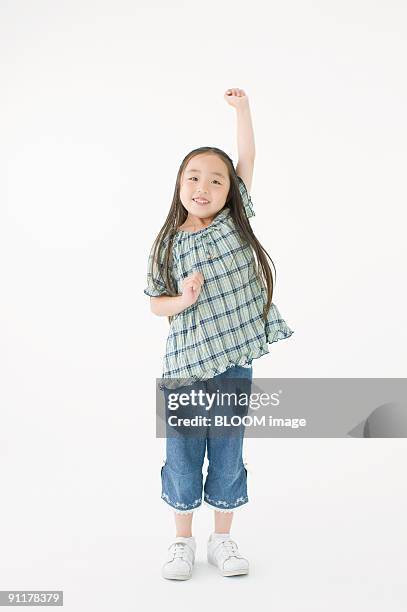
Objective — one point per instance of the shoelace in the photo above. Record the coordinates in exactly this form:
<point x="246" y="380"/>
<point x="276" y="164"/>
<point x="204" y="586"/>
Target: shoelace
<point x="178" y="550"/>
<point x="231" y="547"/>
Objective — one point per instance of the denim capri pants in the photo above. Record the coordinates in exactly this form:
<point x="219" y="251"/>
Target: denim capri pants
<point x="225" y="486"/>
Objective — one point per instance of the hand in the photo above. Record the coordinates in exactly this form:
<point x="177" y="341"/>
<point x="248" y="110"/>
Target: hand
<point x="191" y="288"/>
<point x="236" y="97"/>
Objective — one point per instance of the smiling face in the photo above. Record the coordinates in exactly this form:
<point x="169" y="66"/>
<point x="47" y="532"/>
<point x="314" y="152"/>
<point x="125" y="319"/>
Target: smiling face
<point x="204" y="186"/>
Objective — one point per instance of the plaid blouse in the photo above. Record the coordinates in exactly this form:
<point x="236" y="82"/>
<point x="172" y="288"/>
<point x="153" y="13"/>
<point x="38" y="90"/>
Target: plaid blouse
<point x="225" y="326"/>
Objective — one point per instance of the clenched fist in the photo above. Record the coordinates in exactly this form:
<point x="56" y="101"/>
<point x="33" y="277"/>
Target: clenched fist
<point x="236" y="97"/>
<point x="191" y="288"/>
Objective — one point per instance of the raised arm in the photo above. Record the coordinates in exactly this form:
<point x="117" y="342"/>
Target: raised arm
<point x="245" y="134"/>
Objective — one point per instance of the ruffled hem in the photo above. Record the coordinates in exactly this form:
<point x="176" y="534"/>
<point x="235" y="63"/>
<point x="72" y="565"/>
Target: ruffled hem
<point x="189" y="511"/>
<point x="205" y="503"/>
<point x="272" y="336"/>
<point x="279" y="334"/>
<point x="153" y="292"/>
<point x="174" y="383"/>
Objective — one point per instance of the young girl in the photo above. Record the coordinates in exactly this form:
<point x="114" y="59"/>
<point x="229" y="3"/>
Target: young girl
<point x="202" y="275"/>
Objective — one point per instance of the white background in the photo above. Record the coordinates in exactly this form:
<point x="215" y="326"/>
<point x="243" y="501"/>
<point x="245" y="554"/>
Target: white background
<point x="100" y="102"/>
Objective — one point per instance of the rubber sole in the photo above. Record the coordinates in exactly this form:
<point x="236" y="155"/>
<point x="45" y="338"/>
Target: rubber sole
<point x="230" y="572"/>
<point x="235" y="573"/>
<point x="173" y="577"/>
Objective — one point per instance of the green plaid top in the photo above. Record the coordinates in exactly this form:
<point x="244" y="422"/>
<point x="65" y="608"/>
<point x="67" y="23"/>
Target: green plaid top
<point x="225" y="326"/>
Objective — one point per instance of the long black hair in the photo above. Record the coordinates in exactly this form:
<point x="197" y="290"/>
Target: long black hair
<point x="178" y="214"/>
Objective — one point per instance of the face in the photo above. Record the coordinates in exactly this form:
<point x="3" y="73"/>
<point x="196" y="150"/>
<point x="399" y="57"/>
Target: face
<point x="204" y="185"/>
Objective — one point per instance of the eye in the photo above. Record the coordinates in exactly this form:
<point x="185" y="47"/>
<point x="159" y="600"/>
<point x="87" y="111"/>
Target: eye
<point x="194" y="177"/>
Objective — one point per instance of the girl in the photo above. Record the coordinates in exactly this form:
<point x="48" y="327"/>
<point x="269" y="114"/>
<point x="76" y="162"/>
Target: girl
<point x="202" y="275"/>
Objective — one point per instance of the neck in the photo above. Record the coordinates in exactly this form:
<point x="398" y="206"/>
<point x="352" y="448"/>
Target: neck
<point x="197" y="223"/>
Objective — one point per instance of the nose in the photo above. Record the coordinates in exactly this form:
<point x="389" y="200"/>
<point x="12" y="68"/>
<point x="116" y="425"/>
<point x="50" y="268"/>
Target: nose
<point x="202" y="186"/>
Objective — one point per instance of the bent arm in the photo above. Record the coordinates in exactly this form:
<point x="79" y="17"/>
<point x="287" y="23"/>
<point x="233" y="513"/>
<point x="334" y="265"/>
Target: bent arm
<point x="167" y="306"/>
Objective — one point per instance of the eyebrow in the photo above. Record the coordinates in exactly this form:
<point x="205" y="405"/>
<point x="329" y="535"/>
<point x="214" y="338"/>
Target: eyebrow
<point x="217" y="173"/>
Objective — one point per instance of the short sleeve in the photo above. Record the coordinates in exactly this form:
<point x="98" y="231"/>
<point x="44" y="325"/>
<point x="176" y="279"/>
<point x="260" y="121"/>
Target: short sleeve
<point x="247" y="201"/>
<point x="155" y="281"/>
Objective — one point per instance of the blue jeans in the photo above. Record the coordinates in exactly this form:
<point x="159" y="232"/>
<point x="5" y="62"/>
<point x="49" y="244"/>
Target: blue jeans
<point x="225" y="485"/>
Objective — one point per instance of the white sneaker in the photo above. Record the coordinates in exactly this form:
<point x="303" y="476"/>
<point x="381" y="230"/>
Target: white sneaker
<point x="223" y="552"/>
<point x="181" y="558"/>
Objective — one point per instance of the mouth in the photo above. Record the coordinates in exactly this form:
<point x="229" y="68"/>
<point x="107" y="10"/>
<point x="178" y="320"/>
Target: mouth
<point x="201" y="201"/>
